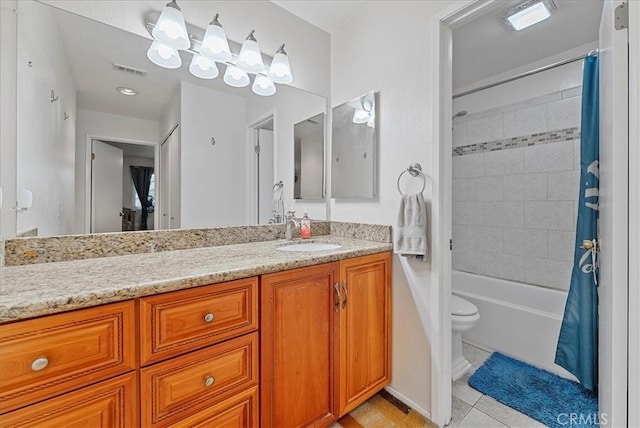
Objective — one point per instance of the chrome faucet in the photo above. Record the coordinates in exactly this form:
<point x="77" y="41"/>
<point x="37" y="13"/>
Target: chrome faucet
<point x="288" y="233"/>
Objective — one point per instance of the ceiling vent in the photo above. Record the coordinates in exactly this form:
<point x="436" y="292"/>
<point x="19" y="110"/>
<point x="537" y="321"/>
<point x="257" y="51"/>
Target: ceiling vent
<point x="129" y="70"/>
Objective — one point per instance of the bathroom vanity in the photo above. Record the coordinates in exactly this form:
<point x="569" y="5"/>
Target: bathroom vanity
<point x="232" y="335"/>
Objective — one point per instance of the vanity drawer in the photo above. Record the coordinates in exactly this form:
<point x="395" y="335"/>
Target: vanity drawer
<point x="51" y="355"/>
<point x="239" y="411"/>
<point x="176" y="323"/>
<point x="109" y="404"/>
<point x="183" y="386"/>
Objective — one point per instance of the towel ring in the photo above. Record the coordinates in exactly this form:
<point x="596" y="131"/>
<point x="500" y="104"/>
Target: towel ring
<point x="415" y="170"/>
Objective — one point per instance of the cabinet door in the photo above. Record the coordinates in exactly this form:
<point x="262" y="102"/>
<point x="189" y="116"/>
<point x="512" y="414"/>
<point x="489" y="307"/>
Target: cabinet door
<point x="365" y="328"/>
<point x="109" y="404"/>
<point x="299" y="314"/>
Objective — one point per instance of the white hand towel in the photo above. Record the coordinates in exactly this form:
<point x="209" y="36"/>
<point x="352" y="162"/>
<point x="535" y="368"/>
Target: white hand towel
<point x="411" y="230"/>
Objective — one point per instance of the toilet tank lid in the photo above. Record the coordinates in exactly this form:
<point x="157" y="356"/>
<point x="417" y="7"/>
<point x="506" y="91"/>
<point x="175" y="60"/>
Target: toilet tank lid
<point x="460" y="306"/>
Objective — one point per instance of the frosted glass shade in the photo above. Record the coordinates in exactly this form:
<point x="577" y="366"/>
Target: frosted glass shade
<point x="360" y="116"/>
<point x="163" y="55"/>
<point x="235" y="77"/>
<point x="215" y="44"/>
<point x="170" y="28"/>
<point x="203" y="67"/>
<point x="263" y="86"/>
<point x="250" y="59"/>
<point x="280" y="71"/>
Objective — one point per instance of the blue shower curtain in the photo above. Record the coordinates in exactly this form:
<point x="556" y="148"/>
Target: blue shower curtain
<point x="577" y="349"/>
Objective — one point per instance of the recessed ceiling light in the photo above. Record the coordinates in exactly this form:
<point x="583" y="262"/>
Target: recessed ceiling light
<point x="529" y="13"/>
<point x="126" y="91"/>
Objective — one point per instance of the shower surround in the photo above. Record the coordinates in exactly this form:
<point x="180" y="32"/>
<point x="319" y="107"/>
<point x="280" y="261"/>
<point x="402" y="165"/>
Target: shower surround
<point x="515" y="189"/>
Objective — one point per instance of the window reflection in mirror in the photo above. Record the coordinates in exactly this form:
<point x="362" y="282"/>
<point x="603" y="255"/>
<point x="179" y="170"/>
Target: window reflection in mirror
<point x="308" y="140"/>
<point x="353" y="150"/>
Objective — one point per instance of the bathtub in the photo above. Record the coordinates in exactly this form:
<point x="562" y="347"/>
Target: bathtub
<point x="516" y="319"/>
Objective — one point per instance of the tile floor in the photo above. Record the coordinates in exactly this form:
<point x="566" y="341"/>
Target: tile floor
<point x="471" y="408"/>
<point x="377" y="412"/>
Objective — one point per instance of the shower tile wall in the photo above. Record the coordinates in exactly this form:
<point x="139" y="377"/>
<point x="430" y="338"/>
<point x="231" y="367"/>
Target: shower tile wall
<point x="515" y="190"/>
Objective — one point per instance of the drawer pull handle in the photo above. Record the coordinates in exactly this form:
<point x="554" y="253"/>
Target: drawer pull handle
<point x="336" y="306"/>
<point x="39" y="363"/>
<point x="209" y="381"/>
<point x="209" y="317"/>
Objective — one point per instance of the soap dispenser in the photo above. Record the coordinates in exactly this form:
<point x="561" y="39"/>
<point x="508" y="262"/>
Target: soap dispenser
<point x="305" y="226"/>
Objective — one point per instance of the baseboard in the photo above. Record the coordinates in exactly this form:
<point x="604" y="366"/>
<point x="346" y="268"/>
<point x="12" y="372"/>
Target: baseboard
<point x="408" y="402"/>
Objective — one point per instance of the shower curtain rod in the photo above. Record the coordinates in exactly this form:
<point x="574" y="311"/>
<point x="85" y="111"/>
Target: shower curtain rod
<point x="525" y="74"/>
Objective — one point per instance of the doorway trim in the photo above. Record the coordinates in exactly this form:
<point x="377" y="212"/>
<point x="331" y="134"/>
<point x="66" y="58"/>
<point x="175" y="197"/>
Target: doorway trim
<point x="87" y="173"/>
<point x="252" y="140"/>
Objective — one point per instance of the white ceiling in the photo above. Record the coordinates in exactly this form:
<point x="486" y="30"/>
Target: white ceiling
<point x="485" y="46"/>
<point x="328" y="15"/>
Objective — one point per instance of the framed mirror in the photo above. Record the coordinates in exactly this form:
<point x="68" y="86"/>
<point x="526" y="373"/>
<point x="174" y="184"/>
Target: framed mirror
<point x="308" y="165"/>
<point x="354" y="149"/>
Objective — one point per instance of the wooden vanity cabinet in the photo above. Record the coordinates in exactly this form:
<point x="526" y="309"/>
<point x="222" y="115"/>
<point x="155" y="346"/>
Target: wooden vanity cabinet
<point x="325" y="340"/>
<point x="365" y="328"/>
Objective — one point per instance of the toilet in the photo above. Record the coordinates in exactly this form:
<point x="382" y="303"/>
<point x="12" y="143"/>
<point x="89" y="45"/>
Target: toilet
<point x="464" y="315"/>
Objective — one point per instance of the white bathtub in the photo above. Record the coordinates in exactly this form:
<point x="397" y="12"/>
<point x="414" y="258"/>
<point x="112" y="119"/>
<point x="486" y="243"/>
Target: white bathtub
<point x="516" y="319"/>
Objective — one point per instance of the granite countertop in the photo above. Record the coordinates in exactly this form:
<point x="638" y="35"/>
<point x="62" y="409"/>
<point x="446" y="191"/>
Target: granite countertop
<point x="46" y="288"/>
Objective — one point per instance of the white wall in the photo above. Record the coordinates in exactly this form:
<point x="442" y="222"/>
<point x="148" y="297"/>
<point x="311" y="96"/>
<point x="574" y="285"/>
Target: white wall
<point x="8" y="58"/>
<point x="311" y="164"/>
<point x="364" y="59"/>
<point x="45" y="141"/>
<point x="290" y="106"/>
<point x="110" y="127"/>
<point x="307" y="46"/>
<point x="213" y="188"/>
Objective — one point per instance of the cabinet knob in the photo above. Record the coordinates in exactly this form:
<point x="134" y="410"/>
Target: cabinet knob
<point x="209" y="381"/>
<point x="39" y="363"/>
<point x="209" y="317"/>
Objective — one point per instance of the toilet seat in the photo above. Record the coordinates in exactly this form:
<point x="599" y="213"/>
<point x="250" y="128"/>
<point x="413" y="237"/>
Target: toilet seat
<point x="461" y="307"/>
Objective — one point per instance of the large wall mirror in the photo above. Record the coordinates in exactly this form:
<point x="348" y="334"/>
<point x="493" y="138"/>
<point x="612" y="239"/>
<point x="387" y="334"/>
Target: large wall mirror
<point x="91" y="106"/>
<point x="308" y="143"/>
<point x="353" y="149"/>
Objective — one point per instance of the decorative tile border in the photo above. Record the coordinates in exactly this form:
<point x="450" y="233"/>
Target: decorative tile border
<point x="556" y="136"/>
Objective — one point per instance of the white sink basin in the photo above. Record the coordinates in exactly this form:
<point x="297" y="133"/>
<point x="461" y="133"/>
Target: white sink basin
<point x="309" y="246"/>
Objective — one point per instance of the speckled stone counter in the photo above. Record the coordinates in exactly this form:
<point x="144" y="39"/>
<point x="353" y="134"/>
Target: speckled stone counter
<point x="46" y="288"/>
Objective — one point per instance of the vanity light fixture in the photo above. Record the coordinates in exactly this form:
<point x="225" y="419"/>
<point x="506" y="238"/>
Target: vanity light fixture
<point x="529" y="13"/>
<point x="126" y="91"/>
<point x="203" y="67"/>
<point x="163" y="55"/>
<point x="250" y="58"/>
<point x="211" y="46"/>
<point x="236" y="77"/>
<point x="263" y="86"/>
<point x="280" y="71"/>
<point x="214" y="42"/>
<point x="171" y="29"/>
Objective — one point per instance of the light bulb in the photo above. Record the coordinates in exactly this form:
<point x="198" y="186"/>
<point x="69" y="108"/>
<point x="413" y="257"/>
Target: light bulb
<point x="250" y="58"/>
<point x="203" y="67"/>
<point x="263" y="86"/>
<point x="360" y="116"/>
<point x="235" y="77"/>
<point x="163" y="55"/>
<point x="171" y="29"/>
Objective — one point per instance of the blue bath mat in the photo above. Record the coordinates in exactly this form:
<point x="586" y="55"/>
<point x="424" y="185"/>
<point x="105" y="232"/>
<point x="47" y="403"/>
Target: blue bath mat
<point x="539" y="394"/>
